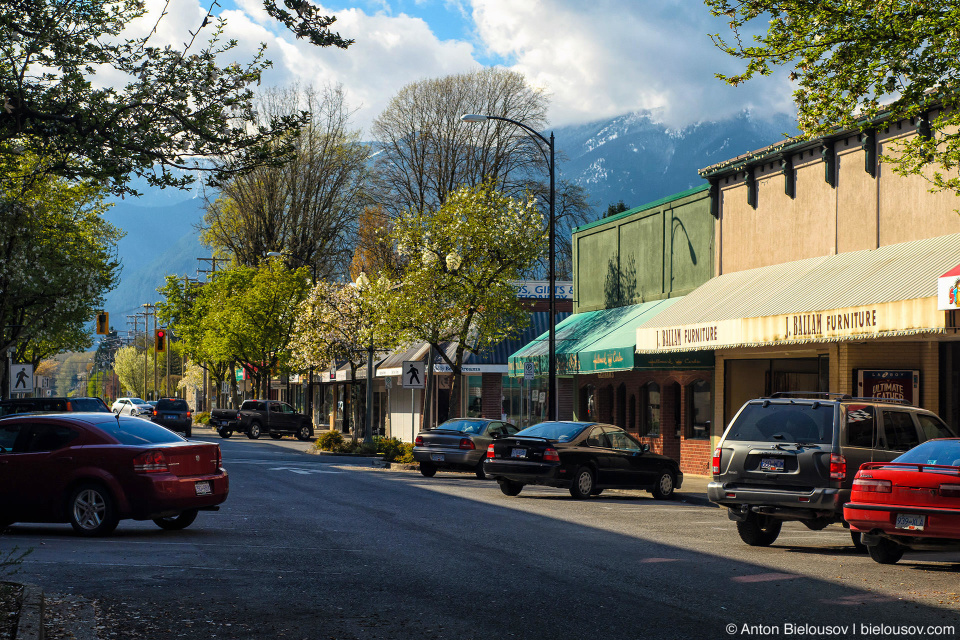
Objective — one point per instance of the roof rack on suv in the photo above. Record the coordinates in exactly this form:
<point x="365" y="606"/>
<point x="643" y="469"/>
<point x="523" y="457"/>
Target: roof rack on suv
<point x="816" y="395"/>
<point x="884" y="400"/>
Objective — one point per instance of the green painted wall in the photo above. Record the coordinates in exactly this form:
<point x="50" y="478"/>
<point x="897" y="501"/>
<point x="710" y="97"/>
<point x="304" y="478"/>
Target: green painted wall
<point x="659" y="250"/>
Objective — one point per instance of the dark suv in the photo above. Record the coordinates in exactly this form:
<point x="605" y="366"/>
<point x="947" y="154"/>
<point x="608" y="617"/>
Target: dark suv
<point x="794" y="456"/>
<point x="59" y="405"/>
<point x="174" y="414"/>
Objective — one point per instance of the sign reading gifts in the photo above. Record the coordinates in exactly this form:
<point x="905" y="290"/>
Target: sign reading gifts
<point x="915" y="315"/>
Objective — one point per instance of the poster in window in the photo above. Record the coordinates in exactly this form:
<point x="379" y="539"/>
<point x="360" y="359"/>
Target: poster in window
<point x="893" y="384"/>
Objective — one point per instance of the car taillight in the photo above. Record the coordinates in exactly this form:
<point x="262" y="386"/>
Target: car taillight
<point x="239" y="417"/>
<point x="219" y="459"/>
<point x="189" y="414"/>
<point x="950" y="490"/>
<point x="838" y="467"/>
<point x="418" y="442"/>
<point x="467" y="443"/>
<point x="715" y="465"/>
<point x="154" y="412"/>
<point x="490" y="453"/>
<point x="551" y="455"/>
<point x="874" y="486"/>
<point x="150" y="462"/>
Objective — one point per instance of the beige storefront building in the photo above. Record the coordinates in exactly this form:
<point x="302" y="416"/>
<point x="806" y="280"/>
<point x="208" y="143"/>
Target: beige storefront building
<point x="827" y="266"/>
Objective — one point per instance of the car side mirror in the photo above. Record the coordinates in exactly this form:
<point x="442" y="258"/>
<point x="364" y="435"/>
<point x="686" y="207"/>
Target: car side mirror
<point x="644" y="448"/>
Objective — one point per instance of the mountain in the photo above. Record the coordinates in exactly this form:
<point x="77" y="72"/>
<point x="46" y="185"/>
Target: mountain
<point x="633" y="158"/>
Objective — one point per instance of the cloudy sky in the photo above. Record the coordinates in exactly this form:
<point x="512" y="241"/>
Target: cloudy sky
<point x="595" y="58"/>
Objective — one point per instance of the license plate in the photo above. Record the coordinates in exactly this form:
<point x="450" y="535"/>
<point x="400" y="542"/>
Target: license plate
<point x="436" y="457"/>
<point x="518" y="453"/>
<point x="203" y="488"/>
<point x="771" y="464"/>
<point x="170" y="417"/>
<point x="910" y="522"/>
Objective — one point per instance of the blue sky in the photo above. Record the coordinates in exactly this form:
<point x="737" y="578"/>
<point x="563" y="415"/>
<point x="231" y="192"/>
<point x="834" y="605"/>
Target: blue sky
<point x="595" y="59"/>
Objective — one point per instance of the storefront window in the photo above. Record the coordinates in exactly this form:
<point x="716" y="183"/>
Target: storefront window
<point x="474" y="386"/>
<point x="698" y="409"/>
<point x="650" y="410"/>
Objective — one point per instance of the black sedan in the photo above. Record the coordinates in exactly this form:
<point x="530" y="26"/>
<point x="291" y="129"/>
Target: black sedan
<point x="585" y="457"/>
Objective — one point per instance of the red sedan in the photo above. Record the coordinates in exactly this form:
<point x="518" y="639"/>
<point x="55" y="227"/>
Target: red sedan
<point x="910" y="503"/>
<point x="94" y="469"/>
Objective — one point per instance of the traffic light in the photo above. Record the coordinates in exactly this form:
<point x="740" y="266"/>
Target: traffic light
<point x="103" y="323"/>
<point x="160" y="340"/>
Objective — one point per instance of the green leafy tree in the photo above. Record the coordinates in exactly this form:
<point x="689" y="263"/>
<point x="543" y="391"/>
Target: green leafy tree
<point x="858" y="61"/>
<point x="462" y="262"/>
<point x="57" y="260"/>
<point x="128" y="365"/>
<point x="178" y="106"/>
<point x="338" y="323"/>
<point x="243" y="315"/>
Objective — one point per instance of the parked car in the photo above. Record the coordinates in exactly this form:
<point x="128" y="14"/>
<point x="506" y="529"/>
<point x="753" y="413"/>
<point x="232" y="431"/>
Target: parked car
<point x="132" y="407"/>
<point x="794" y="457"/>
<point x="224" y="421"/>
<point x="174" y="414"/>
<point x="584" y="457"/>
<point x="458" y="445"/>
<point x="275" y="418"/>
<point x="59" y="405"/>
<point x="93" y="470"/>
<point x="910" y="503"/>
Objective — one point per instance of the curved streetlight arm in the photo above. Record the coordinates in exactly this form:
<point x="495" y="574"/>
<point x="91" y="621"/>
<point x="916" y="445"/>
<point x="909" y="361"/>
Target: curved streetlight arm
<point x="553" y="404"/>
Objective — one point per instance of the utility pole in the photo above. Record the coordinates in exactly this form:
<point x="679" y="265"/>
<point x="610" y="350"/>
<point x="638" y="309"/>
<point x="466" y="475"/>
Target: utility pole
<point x="150" y="313"/>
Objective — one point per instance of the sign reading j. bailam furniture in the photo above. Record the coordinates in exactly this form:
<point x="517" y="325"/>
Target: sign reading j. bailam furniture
<point x="872" y="321"/>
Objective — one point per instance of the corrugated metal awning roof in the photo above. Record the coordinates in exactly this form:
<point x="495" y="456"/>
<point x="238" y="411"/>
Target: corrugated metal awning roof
<point x="905" y="271"/>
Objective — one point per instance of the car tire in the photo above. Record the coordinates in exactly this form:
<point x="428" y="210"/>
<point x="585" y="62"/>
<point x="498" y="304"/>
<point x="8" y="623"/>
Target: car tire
<point x="428" y="470"/>
<point x="254" y="431"/>
<point x="663" y="490"/>
<point x="188" y="432"/>
<point x="886" y="551"/>
<point x="583" y="483"/>
<point x="180" y="521"/>
<point x="481" y="474"/>
<point x="276" y="436"/>
<point x="304" y="434"/>
<point x="509" y="488"/>
<point x="759" y="531"/>
<point x="857" y="538"/>
<point x="92" y="510"/>
<point x="596" y="492"/>
<point x="224" y="432"/>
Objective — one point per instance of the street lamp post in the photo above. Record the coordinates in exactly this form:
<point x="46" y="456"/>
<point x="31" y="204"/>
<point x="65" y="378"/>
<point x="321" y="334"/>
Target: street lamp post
<point x="361" y="283"/>
<point x="552" y="343"/>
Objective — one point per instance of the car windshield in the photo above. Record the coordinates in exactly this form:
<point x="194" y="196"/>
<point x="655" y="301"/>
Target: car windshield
<point x="464" y="426"/>
<point x="172" y="405"/>
<point x="934" y="452"/>
<point x="558" y="431"/>
<point x="136" y="431"/>
<point x="806" y="422"/>
<point x="88" y="404"/>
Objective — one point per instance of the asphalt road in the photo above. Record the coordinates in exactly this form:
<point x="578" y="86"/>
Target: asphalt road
<point x="313" y="548"/>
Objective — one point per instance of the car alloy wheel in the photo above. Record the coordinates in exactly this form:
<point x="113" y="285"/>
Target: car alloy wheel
<point x="304" y="434"/>
<point x="91" y="511"/>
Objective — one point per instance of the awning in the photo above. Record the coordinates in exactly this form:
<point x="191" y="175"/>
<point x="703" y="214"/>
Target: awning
<point x="590" y="342"/>
<point x="890" y="291"/>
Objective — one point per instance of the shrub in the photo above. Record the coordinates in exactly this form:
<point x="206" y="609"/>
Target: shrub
<point x="202" y="417"/>
<point x="330" y="441"/>
<point x="395" y="451"/>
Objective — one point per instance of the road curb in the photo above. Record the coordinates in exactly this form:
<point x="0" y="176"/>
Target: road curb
<point x="30" y="624"/>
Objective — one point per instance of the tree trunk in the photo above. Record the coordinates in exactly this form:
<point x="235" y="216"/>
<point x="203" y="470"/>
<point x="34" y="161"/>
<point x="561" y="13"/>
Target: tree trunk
<point x="428" y="392"/>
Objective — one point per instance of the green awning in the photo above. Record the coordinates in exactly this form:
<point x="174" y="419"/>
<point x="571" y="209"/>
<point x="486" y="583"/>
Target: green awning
<point x="591" y="342"/>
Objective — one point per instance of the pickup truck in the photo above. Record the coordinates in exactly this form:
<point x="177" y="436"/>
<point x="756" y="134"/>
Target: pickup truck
<point x="277" y="419"/>
<point x="224" y="421"/>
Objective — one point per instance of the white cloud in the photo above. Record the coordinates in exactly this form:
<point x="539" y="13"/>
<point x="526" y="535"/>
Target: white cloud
<point x="596" y="60"/>
<point x="617" y="56"/>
